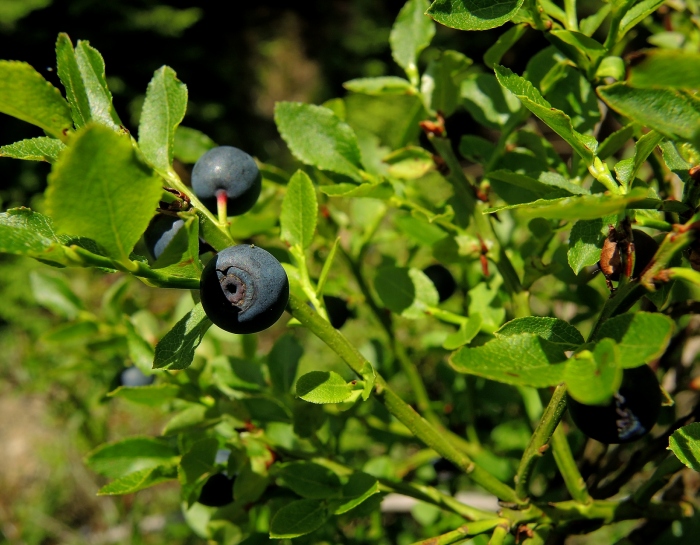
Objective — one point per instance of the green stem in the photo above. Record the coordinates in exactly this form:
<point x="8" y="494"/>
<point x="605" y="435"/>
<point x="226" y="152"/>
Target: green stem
<point x="534" y="8"/>
<point x="83" y="258"/>
<point x="571" y="19"/>
<point x="567" y="467"/>
<point x="539" y="440"/>
<point x="499" y="535"/>
<point x="433" y="495"/>
<point x="455" y="536"/>
<point x="394" y="404"/>
<point x="306" y="285"/>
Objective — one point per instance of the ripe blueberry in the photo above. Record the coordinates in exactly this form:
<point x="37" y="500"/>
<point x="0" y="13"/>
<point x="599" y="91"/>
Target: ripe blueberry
<point x="231" y="170"/>
<point x="160" y="233"/>
<point x="338" y="311"/>
<point x="244" y="289"/>
<point x="217" y="491"/>
<point x="133" y="376"/>
<point x="443" y="280"/>
<point x="629" y="415"/>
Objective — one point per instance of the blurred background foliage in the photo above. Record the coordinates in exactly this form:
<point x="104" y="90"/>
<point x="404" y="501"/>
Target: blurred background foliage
<point x="53" y="393"/>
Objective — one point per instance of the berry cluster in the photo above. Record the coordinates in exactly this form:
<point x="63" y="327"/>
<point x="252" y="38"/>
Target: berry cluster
<point x="243" y="288"/>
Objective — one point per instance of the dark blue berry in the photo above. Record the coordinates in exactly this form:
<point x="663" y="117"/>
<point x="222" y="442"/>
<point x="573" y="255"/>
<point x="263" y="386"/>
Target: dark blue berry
<point x="442" y="278"/>
<point x="229" y="169"/>
<point x="217" y="491"/>
<point x="629" y="415"/>
<point x="161" y="232"/>
<point x="133" y="376"/>
<point x="244" y="289"/>
<point x="338" y="310"/>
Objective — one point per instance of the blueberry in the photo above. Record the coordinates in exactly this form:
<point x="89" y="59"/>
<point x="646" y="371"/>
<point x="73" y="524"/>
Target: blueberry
<point x="161" y="232"/>
<point x="244" y="289"/>
<point x="338" y="311"/>
<point x="443" y="280"/>
<point x="629" y="415"/>
<point x="133" y="376"/>
<point x="229" y="169"/>
<point x="217" y="491"/>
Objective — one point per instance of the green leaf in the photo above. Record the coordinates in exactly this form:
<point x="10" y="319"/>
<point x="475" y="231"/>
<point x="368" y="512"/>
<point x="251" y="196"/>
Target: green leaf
<point x="233" y="374"/>
<point x="299" y="211"/>
<point x="384" y="85"/>
<point x="309" y="480"/>
<point x="616" y="141"/>
<point x="673" y="113"/>
<point x="590" y="24"/>
<point x="191" y="144"/>
<point x="408" y="292"/>
<point x="120" y="458"/>
<point x="640" y="336"/>
<point x="685" y="444"/>
<point x="505" y="41"/>
<point x="26" y="95"/>
<point x="474" y="14"/>
<point x="488" y="103"/>
<point x="440" y="84"/>
<point x="249" y="485"/>
<point x="373" y="191"/>
<point x="557" y="120"/>
<point x="176" y="349"/>
<point x="586" y="241"/>
<point x="163" y="110"/>
<point x="593" y="377"/>
<point x="581" y="207"/>
<point x="636" y="14"/>
<point x="42" y="148"/>
<point x="323" y="387"/>
<point x="25" y="232"/>
<point x="54" y="293"/>
<point x="298" y="518"/>
<point x="545" y="183"/>
<point x="82" y="73"/>
<point x="283" y="362"/>
<point x="317" y="137"/>
<point x="195" y="466"/>
<point x="360" y="487"/>
<point x="151" y="395"/>
<point x="139" y="480"/>
<point x="409" y="163"/>
<point x="412" y="33"/>
<point x="194" y="417"/>
<point x="524" y="360"/>
<point x="669" y="68"/>
<point x="551" y="329"/>
<point x="369" y="377"/>
<point x="181" y="256"/>
<point x="627" y="169"/>
<point x="581" y="49"/>
<point x="99" y="188"/>
<point x="468" y="329"/>
<point x="140" y="350"/>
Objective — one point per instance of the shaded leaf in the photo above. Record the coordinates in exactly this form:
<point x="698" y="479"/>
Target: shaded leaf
<point x="298" y="518"/>
<point x="309" y="480"/>
<point x="176" y="349"/>
<point x="385" y="85"/>
<point x="152" y="395"/>
<point x="586" y="241"/>
<point x="283" y="362"/>
<point x="190" y="144"/>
